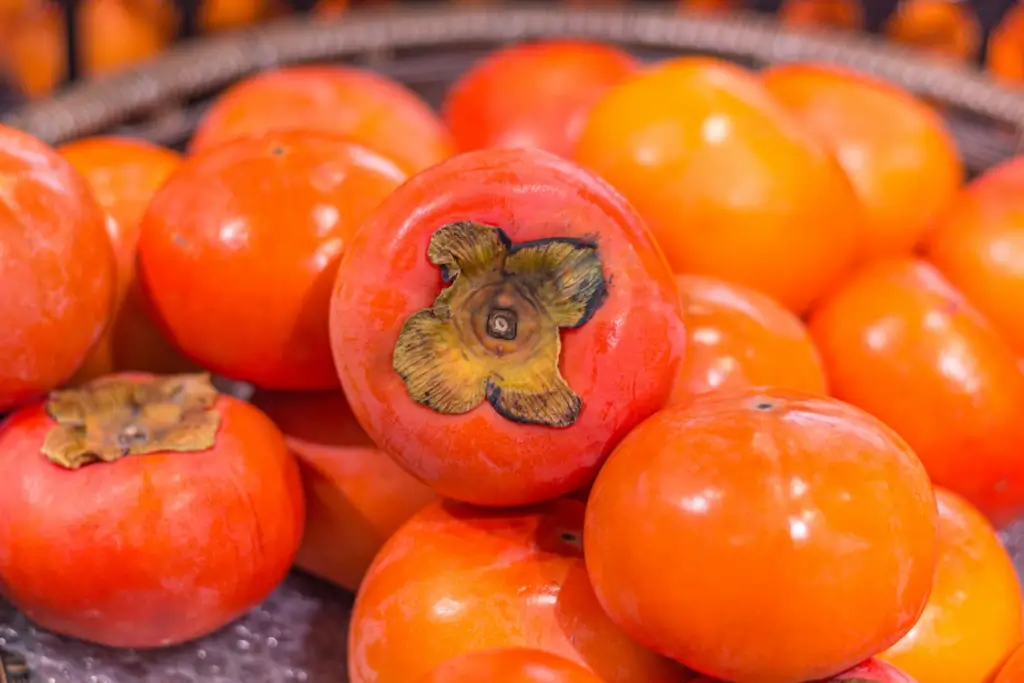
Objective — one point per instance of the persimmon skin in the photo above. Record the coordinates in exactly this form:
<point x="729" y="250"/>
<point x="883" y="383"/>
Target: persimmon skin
<point x="514" y="665"/>
<point x="973" y="619"/>
<point x="731" y="184"/>
<point x="903" y="344"/>
<point x="462" y="561"/>
<point x="741" y="338"/>
<point x="978" y="244"/>
<point x="356" y="496"/>
<point x="896" y="149"/>
<point x="871" y="670"/>
<point x="769" y="488"/>
<point x="367" y="107"/>
<point x="150" y="550"/>
<point x="621" y="362"/>
<point x="232" y="289"/>
<point x="533" y="94"/>
<point x="56" y="265"/>
<point x="1013" y="669"/>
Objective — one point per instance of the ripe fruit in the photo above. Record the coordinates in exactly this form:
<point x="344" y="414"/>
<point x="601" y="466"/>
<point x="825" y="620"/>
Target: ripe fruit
<point x="1006" y="47"/>
<point x="814" y="524"/>
<point x="1013" y="670"/>
<point x="740" y="338"/>
<point x="56" y="269"/>
<point x="239" y="249"/>
<point x="978" y="244"/>
<point x="897" y="150"/>
<point x="362" y="105"/>
<point x="731" y="184"/>
<point x="123" y="175"/>
<point x="445" y="326"/>
<point x="110" y="535"/>
<point x="845" y="14"/>
<point x="973" y="618"/>
<point x="533" y="95"/>
<point x="942" y="28"/>
<point x="900" y="342"/>
<point x="516" y="665"/>
<point x="458" y="579"/>
<point x="871" y="671"/>
<point x="356" y="496"/>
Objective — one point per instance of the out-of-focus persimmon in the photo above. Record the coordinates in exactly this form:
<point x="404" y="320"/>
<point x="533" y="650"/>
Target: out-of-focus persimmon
<point x="1006" y="46"/>
<point x="356" y="496"/>
<point x="710" y="5"/>
<point x="899" y="341"/>
<point x="945" y="28"/>
<point x="973" y="619"/>
<point x="1013" y="670"/>
<point x="846" y="14"/>
<point x="897" y="150"/>
<point x="739" y="338"/>
<point x="220" y="15"/>
<point x="730" y="183"/>
<point x="978" y="244"/>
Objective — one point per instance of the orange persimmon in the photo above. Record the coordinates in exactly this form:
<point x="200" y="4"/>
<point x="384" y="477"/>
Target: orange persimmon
<point x="512" y="665"/>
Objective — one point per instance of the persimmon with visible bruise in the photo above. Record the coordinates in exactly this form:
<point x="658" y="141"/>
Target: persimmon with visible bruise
<point x="239" y="249"/>
<point x="973" y="619"/>
<point x="897" y="150"/>
<point x="124" y="174"/>
<point x="142" y="511"/>
<point x="500" y="322"/>
<point x="57" y="269"/>
<point x="356" y="496"/>
<point x="1013" y="670"/>
<point x="457" y="579"/>
<point x="533" y="95"/>
<point x="978" y="245"/>
<point x="902" y="343"/>
<point x="513" y="665"/>
<point x="798" y="578"/>
<point x="732" y="185"/>
<point x="740" y="338"/>
<point x="367" y="107"/>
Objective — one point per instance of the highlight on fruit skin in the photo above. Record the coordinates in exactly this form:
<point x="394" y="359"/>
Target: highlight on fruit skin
<point x="512" y="665"/>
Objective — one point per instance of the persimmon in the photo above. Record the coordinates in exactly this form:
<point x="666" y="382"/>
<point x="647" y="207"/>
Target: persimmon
<point x="500" y="322"/>
<point x="896" y="149"/>
<point x="973" y="619"/>
<point x="533" y="94"/>
<point x="457" y="579"/>
<point x="1005" y="53"/>
<point x="513" y="665"/>
<point x="739" y="338"/>
<point x="143" y="511"/>
<point x="902" y="343"/>
<point x="238" y="251"/>
<point x="731" y="184"/>
<point x="124" y="174"/>
<point x="356" y="496"/>
<point x="944" y="28"/>
<point x="845" y="14"/>
<point x="813" y="521"/>
<point x="710" y="5"/>
<point x="978" y="245"/>
<point x="56" y="268"/>
<point x="1013" y="670"/>
<point x="367" y="107"/>
<point x="871" y="671"/>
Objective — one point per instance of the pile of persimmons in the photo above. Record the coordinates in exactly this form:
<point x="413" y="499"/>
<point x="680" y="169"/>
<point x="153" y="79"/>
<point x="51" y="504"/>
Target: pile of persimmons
<point x="608" y="372"/>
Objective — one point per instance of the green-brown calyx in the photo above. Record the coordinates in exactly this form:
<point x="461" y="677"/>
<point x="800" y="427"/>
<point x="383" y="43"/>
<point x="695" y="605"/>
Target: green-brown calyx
<point x="109" y="419"/>
<point x="493" y="332"/>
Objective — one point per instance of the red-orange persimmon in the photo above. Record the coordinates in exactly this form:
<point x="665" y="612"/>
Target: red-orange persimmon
<point x="501" y="322"/>
<point x="871" y="671"/>
<point x="512" y="665"/>
<point x="140" y="511"/>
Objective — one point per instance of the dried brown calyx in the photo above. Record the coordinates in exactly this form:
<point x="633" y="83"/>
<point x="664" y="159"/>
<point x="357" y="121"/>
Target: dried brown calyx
<point x="109" y="419"/>
<point x="493" y="332"/>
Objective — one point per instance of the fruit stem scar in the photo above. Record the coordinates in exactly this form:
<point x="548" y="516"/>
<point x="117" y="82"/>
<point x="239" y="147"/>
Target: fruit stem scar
<point x="492" y="333"/>
<point x="109" y="419"/>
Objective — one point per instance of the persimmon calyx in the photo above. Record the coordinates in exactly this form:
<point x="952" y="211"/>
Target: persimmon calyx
<point x="107" y="420"/>
<point x="493" y="331"/>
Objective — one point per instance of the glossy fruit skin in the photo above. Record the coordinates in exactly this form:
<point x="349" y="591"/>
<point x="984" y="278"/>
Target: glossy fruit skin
<point x="621" y="362"/>
<point x="900" y="342"/>
<point x="730" y="183"/>
<point x="799" y="577"/>
<point x="1013" y="669"/>
<point x="973" y="619"/>
<point x="740" y="338"/>
<point x="431" y="595"/>
<point x="233" y="290"/>
<point x="372" y="110"/>
<point x="177" y="545"/>
<point x="356" y="496"/>
<point x="56" y="266"/>
<point x="514" y="665"/>
<point x="978" y="244"/>
<point x="871" y="670"/>
<point x="897" y="150"/>
<point x="123" y="175"/>
<point x="533" y="94"/>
